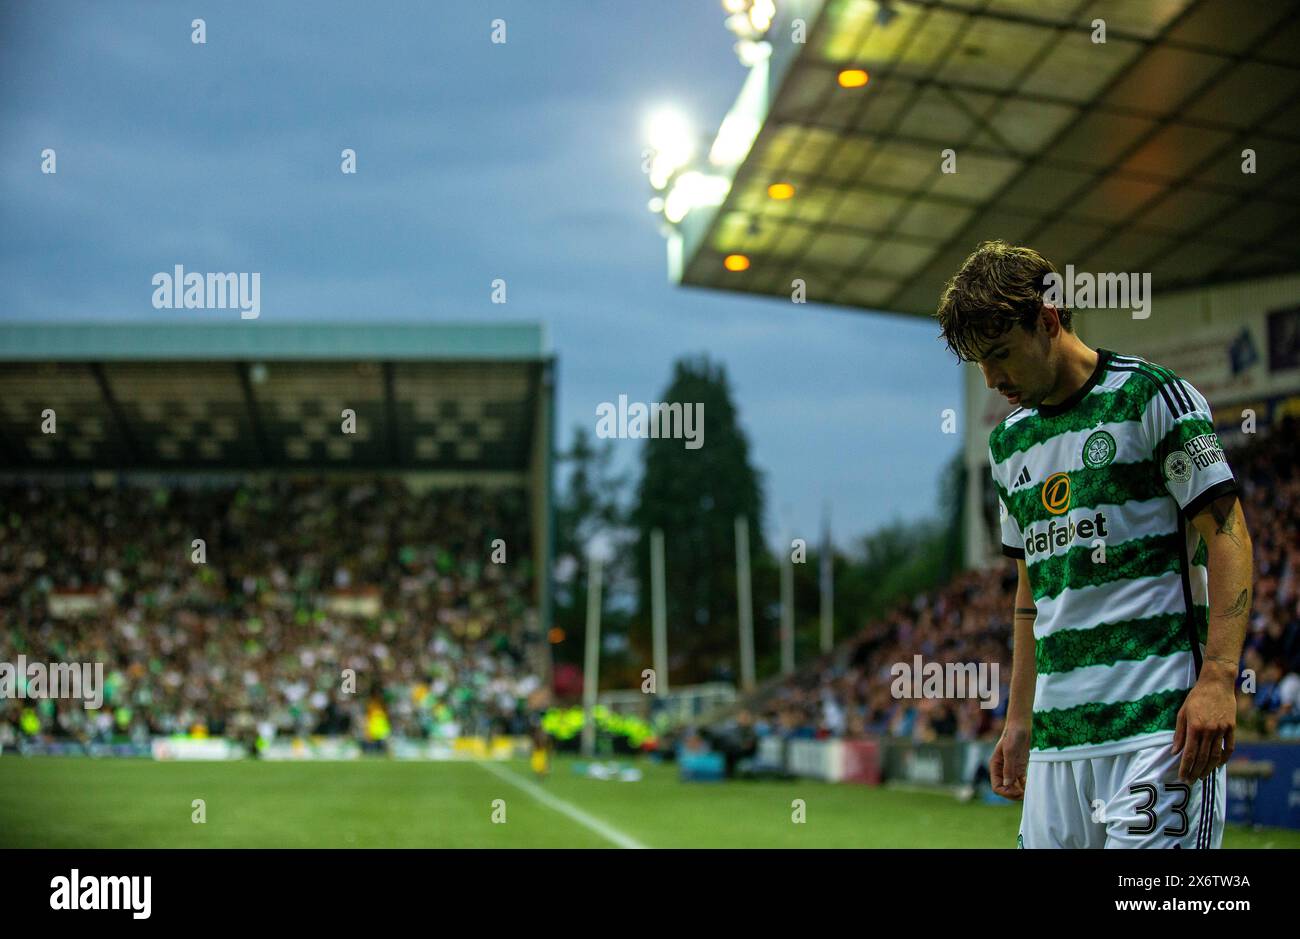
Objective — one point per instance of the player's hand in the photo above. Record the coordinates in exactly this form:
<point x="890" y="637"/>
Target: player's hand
<point x="1010" y="761"/>
<point x="1205" y="732"/>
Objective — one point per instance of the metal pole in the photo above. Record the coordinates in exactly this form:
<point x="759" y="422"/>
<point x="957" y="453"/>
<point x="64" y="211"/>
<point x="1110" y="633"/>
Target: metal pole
<point x="658" y="611"/>
<point x="591" y="665"/>
<point x="787" y="611"/>
<point x="828" y="587"/>
<point x="744" y="600"/>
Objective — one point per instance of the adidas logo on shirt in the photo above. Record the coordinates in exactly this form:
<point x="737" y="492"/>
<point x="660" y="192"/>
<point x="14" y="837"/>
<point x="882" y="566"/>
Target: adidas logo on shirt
<point x="1022" y="479"/>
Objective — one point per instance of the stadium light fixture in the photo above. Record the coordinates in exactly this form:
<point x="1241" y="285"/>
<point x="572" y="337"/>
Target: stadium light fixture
<point x="761" y="14"/>
<point x="853" y="78"/>
<point x="749" y="19"/>
<point x="686" y="183"/>
<point x="735" y="137"/>
<point x="739" y="24"/>
<point x="751" y="52"/>
<point x="692" y="190"/>
<point x="672" y="138"/>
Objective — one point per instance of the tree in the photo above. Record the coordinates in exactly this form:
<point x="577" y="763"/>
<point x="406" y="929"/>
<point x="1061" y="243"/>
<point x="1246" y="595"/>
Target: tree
<point x="903" y="559"/>
<point x="694" y="496"/>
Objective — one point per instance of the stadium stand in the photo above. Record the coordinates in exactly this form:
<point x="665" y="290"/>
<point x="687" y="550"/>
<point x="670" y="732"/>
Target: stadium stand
<point x="305" y="577"/>
<point x="412" y="550"/>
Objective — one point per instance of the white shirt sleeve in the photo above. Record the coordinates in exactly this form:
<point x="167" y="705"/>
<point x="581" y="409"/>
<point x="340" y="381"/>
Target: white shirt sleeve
<point x="1185" y="448"/>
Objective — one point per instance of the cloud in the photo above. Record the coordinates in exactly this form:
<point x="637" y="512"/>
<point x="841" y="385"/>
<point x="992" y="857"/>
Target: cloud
<point x="475" y="161"/>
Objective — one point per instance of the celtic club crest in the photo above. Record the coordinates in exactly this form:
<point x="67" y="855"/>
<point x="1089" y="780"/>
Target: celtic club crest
<point x="1098" y="450"/>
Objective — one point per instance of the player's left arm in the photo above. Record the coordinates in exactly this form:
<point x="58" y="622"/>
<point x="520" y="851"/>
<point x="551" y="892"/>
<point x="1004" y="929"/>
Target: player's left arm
<point x="1207" y="721"/>
<point x="1195" y="471"/>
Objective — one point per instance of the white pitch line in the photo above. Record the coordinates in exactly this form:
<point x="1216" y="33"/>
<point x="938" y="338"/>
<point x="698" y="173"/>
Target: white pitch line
<point x="608" y="832"/>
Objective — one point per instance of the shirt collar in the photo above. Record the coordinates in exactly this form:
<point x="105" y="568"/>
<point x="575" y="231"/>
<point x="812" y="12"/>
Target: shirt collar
<point x="1051" y="410"/>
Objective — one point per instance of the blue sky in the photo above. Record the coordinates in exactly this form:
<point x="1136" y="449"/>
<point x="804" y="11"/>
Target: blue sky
<point x="475" y="161"/>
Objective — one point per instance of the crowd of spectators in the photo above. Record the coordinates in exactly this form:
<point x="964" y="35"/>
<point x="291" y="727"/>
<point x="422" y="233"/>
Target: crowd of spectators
<point x="1268" y="695"/>
<point x="255" y="632"/>
<point x="313" y="605"/>
<point x="968" y="620"/>
<point x="851" y="693"/>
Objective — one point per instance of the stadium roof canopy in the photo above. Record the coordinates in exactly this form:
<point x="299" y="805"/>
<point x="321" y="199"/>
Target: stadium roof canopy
<point x="1119" y="156"/>
<point x="256" y="395"/>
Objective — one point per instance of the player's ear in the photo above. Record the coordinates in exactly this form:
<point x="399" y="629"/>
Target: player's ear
<point x="1050" y="319"/>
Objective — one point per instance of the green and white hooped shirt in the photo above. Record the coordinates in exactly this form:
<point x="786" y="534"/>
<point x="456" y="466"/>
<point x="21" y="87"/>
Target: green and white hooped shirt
<point x="1097" y="494"/>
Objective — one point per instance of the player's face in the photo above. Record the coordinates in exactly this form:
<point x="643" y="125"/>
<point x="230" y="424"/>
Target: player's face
<point x="1019" y="366"/>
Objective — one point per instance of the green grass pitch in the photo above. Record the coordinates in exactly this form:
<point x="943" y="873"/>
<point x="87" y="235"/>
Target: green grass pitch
<point x="88" y="803"/>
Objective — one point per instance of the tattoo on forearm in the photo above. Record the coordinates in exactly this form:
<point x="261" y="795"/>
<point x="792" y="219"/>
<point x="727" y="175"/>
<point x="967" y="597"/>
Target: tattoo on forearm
<point x="1027" y="611"/>
<point x="1225" y="517"/>
<point x="1239" y="606"/>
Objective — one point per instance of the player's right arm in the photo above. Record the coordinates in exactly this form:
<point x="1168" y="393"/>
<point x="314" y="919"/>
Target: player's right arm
<point x="1011" y="755"/>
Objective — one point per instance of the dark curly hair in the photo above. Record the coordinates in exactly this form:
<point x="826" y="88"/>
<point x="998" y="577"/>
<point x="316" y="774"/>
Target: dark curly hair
<point x="997" y="288"/>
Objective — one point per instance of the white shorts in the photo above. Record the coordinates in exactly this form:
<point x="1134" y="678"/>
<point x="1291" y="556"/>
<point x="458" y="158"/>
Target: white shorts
<point x="1128" y="800"/>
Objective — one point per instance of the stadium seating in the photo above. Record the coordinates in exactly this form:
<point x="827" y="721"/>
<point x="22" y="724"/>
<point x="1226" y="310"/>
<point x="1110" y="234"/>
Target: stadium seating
<point x="251" y="633"/>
